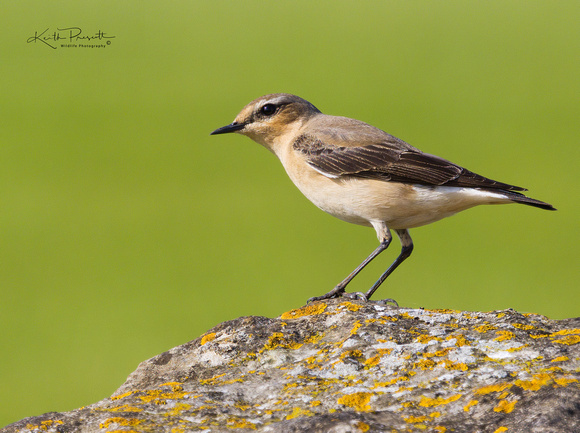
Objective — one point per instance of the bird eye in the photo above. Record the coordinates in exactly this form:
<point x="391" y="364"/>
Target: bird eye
<point x="268" y="109"/>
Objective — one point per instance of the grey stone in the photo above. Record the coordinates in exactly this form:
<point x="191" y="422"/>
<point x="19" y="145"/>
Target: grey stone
<point x="346" y="366"/>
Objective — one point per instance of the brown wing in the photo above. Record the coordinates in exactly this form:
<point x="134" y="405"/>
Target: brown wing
<point x="390" y="160"/>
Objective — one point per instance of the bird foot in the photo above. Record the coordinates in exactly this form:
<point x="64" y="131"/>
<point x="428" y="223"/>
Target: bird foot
<point x="338" y="292"/>
<point x="386" y="302"/>
<point x="359" y="296"/>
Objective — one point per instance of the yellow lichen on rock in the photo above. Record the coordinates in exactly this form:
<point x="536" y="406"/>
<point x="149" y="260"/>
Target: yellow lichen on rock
<point x="298" y="412"/>
<point x="415" y="419"/>
<point x="207" y="338"/>
<point x="438" y="401"/>
<point x="523" y="327"/>
<point x="492" y="388"/>
<point x="277" y="340"/>
<point x="359" y="401"/>
<point x="537" y="381"/>
<point x="505" y="406"/>
<point x="504" y="335"/>
<point x="560" y="359"/>
<point x="569" y="340"/>
<point x="126" y="394"/>
<point x="235" y="423"/>
<point x="470" y="405"/>
<point x="179" y="407"/>
<point x="308" y="310"/>
<point x="125" y="408"/>
<point x="425" y="338"/>
<point x="350" y="306"/>
<point x="372" y="361"/>
<point x="484" y="328"/>
<point x="120" y="421"/>
<point x="362" y="426"/>
<point x="460" y="340"/>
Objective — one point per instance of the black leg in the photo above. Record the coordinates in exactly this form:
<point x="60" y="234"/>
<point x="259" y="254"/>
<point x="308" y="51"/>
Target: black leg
<point x="340" y="287"/>
<point x="406" y="249"/>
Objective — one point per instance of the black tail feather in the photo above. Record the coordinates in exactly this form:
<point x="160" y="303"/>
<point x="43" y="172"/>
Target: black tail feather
<point x="520" y="198"/>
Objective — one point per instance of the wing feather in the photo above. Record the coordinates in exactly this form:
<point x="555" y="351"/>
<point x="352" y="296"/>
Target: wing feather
<point x="389" y="159"/>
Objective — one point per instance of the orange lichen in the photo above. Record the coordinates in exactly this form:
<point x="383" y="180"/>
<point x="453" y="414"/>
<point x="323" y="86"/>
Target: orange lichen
<point x="569" y="340"/>
<point x="390" y="382"/>
<point x="537" y="381"/>
<point x="355" y="328"/>
<point x="356" y="354"/>
<point x="535" y="336"/>
<point x="460" y="340"/>
<point x="470" y="405"/>
<point x="500" y="429"/>
<point x="207" y="338"/>
<point x="505" y="406"/>
<point x="450" y="365"/>
<point x="560" y="359"/>
<point x="416" y="419"/>
<point x="350" y="306"/>
<point x="211" y="380"/>
<point x="432" y="402"/>
<point x="157" y="396"/>
<point x="120" y="421"/>
<point x="566" y="332"/>
<point x="179" y="407"/>
<point x="439" y="353"/>
<point x="517" y="349"/>
<point x="298" y="412"/>
<point x="125" y="408"/>
<point x="424" y="364"/>
<point x="240" y="423"/>
<point x="504" y="335"/>
<point x="522" y="326"/>
<point x="359" y="401"/>
<point x="175" y="386"/>
<point x="118" y="397"/>
<point x="484" y="328"/>
<point x="277" y="340"/>
<point x="492" y="388"/>
<point x="444" y="311"/>
<point x="425" y="338"/>
<point x="362" y="426"/>
<point x="308" y="310"/>
<point x="563" y="381"/>
<point x="44" y="425"/>
<point x="371" y="362"/>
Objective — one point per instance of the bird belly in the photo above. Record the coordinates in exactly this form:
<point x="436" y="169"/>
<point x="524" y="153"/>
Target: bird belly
<point x="366" y="201"/>
<point x="398" y="205"/>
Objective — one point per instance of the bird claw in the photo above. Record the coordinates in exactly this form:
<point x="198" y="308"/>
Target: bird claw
<point x="359" y="296"/>
<point x="386" y="302"/>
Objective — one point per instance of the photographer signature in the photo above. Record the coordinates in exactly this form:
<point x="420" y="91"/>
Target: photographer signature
<point x="69" y="34"/>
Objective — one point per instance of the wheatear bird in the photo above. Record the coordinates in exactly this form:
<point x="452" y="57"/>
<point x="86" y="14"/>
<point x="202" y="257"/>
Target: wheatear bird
<point x="363" y="175"/>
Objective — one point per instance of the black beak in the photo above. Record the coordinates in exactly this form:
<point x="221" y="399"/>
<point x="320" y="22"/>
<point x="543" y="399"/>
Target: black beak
<point x="232" y="127"/>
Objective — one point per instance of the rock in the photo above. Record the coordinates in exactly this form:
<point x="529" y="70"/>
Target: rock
<point x="346" y="366"/>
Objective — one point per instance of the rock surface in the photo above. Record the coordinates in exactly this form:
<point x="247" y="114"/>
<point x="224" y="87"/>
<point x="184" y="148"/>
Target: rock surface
<point x="345" y="366"/>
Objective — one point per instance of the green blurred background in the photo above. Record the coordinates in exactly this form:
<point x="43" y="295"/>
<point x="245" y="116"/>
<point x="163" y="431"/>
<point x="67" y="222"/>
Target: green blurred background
<point x="125" y="229"/>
